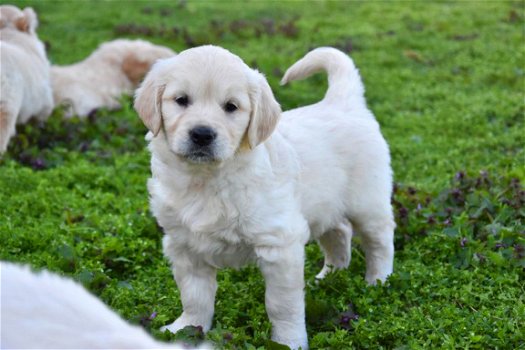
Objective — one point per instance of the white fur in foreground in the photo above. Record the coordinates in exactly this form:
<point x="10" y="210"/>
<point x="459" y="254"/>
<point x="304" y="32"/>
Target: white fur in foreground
<point x="235" y="181"/>
<point x="45" y="311"/>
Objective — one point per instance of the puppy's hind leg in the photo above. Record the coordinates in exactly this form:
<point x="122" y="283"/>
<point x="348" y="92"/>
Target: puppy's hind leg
<point x="7" y="126"/>
<point x="377" y="238"/>
<point x="336" y="246"/>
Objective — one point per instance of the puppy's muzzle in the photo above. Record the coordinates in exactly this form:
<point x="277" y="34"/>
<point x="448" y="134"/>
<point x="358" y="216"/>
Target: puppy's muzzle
<point x="201" y="144"/>
<point x="202" y="136"/>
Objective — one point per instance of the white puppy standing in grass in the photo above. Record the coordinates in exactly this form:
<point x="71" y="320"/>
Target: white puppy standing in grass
<point x="114" y="68"/>
<point x="234" y="181"/>
<point x="25" y="86"/>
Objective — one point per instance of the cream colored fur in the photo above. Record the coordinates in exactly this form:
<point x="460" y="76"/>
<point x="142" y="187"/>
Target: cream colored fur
<point x="99" y="81"/>
<point x="25" y="88"/>
<point x="267" y="183"/>
<point x="45" y="311"/>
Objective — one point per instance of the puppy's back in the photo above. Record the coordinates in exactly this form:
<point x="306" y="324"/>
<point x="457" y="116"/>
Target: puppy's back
<point x="26" y="88"/>
<point x="99" y="80"/>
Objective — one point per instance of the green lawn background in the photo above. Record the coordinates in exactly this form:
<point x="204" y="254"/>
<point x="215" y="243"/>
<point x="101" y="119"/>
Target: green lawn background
<point x="444" y="79"/>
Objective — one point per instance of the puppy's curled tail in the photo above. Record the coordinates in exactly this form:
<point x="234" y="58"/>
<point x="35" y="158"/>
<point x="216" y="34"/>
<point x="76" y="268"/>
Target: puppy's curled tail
<point x="344" y="82"/>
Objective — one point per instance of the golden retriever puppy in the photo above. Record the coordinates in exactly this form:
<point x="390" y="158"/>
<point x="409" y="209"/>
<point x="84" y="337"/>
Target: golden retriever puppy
<point x="115" y="68"/>
<point x="234" y="180"/>
<point x="46" y="311"/>
<point x="25" y="87"/>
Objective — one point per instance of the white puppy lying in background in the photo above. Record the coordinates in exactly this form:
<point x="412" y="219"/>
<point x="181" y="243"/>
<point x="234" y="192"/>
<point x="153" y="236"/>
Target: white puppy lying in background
<point x="25" y="87"/>
<point x="115" y="68"/>
<point x="46" y="311"/>
<point x="232" y="184"/>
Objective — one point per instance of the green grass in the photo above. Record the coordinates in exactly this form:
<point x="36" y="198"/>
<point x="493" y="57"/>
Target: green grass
<point x="446" y="81"/>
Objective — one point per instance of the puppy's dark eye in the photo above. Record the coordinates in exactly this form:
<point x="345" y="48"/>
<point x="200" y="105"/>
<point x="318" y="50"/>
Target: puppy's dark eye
<point x="230" y="107"/>
<point x="182" y="101"/>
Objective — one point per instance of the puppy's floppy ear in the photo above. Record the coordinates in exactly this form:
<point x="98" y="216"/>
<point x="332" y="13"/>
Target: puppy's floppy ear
<point x="265" y="110"/>
<point x="28" y="22"/>
<point x="148" y="100"/>
<point x="134" y="68"/>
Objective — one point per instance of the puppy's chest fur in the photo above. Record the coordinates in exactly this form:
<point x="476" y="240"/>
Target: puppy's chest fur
<point x="222" y="220"/>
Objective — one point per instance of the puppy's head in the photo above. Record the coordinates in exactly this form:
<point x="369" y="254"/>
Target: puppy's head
<point x="207" y="104"/>
<point x="12" y="17"/>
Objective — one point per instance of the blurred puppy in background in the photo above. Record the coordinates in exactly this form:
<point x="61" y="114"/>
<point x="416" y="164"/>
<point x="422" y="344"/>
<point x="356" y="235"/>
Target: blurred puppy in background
<point x="45" y="311"/>
<point x="24" y="72"/>
<point x="115" y="68"/>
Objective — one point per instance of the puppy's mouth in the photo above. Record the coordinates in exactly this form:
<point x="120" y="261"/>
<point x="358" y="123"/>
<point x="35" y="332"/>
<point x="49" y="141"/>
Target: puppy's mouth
<point x="200" y="156"/>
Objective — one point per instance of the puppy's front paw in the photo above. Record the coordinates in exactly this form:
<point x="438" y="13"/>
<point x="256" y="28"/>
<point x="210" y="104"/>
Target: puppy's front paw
<point x="175" y="326"/>
<point x="295" y="339"/>
<point x="184" y="321"/>
<point x="293" y="345"/>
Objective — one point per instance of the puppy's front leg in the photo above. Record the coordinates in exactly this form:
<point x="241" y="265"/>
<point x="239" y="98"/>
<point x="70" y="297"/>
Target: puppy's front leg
<point x="283" y="270"/>
<point x="197" y="284"/>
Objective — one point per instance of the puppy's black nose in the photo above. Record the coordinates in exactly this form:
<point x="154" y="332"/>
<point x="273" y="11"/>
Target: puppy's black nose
<point x="202" y="135"/>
